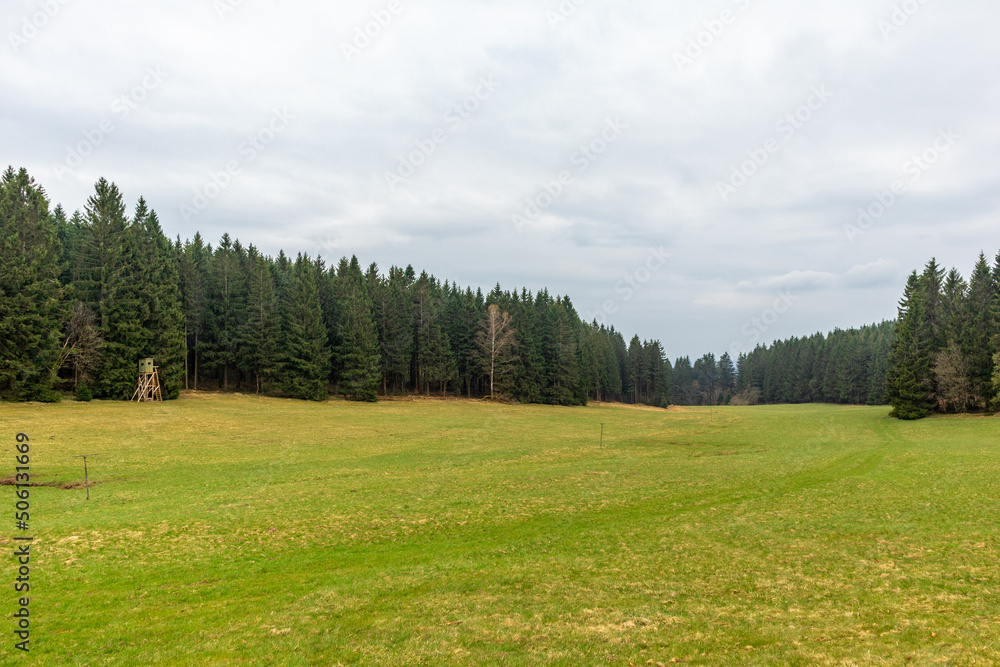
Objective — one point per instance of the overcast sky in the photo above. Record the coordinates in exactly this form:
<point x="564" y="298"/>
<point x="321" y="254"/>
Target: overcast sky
<point x="691" y="172"/>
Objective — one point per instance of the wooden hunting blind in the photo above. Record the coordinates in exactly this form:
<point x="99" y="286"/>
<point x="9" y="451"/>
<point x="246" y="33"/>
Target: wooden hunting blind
<point x="149" y="383"/>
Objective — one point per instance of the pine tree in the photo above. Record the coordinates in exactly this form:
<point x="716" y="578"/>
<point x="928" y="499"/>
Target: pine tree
<point x="359" y="353"/>
<point x="433" y="360"/>
<point x="106" y="266"/>
<point x="439" y="366"/>
<point x="259" y="354"/>
<point x="683" y="382"/>
<point x="159" y="285"/>
<point x="98" y="256"/>
<point x="727" y="377"/>
<point x="974" y="338"/>
<point x="909" y="386"/>
<point x="528" y="369"/>
<point x="463" y="312"/>
<point x="226" y="311"/>
<point x="306" y="356"/>
<point x="635" y="363"/>
<point x="194" y="271"/>
<point x="558" y="351"/>
<point x="933" y="325"/>
<point x="31" y="300"/>
<point x="392" y="313"/>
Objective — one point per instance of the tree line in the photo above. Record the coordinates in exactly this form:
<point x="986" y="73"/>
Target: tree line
<point x="946" y="355"/>
<point x="83" y="297"/>
<point x="846" y="367"/>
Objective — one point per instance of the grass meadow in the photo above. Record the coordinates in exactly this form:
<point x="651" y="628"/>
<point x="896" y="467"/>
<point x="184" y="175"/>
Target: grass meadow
<point x="237" y="530"/>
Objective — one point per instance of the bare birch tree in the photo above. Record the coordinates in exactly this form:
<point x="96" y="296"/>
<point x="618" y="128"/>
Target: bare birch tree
<point x="496" y="342"/>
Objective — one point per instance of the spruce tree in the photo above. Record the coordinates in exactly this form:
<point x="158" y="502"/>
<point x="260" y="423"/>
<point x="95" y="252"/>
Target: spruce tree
<point x="393" y="311"/>
<point x="974" y="338"/>
<point x="359" y="352"/>
<point x="31" y="304"/>
<point x="909" y="388"/>
<point x="194" y="270"/>
<point x="933" y="325"/>
<point x="635" y="363"/>
<point x="305" y="363"/>
<point x="727" y="376"/>
<point x="159" y="285"/>
<point x="107" y="283"/>
<point x="259" y="354"/>
<point x="225" y="312"/>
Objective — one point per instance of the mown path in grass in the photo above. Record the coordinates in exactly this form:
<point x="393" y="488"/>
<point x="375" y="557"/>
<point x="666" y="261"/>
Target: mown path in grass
<point x="240" y="530"/>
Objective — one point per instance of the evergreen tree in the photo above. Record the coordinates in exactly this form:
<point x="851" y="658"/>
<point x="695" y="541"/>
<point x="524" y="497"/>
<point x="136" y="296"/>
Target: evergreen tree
<point x="306" y="356"/>
<point x="909" y="386"/>
<point x="194" y="270"/>
<point x="31" y="304"/>
<point x="226" y="311"/>
<point x="158" y="282"/>
<point x="359" y="354"/>
<point x="635" y="370"/>
<point x="393" y="311"/>
<point x="727" y="377"/>
<point x="974" y="338"/>
<point x="107" y="282"/>
<point x="259" y="354"/>
<point x="933" y="326"/>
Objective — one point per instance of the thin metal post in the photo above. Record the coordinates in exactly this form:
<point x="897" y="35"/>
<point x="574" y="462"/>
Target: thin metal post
<point x="86" y="478"/>
<point x="602" y="434"/>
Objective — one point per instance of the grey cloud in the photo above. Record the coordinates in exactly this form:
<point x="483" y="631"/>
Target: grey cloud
<point x="320" y="186"/>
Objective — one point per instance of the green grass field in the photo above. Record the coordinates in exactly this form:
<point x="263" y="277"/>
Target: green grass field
<point x="239" y="530"/>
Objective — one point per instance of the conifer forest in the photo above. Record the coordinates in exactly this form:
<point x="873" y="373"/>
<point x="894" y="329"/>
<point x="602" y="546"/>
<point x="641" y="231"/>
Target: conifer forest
<point x="84" y="296"/>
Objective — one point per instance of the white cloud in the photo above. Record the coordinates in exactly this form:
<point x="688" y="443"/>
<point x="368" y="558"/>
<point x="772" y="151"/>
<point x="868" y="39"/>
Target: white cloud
<point x="320" y="184"/>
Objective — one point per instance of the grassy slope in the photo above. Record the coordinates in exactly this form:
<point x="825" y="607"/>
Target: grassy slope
<point x="237" y="530"/>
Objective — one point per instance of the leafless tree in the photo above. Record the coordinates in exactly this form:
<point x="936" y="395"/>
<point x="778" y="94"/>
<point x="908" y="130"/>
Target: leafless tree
<point x="83" y="345"/>
<point x="496" y="343"/>
<point x="952" y="374"/>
